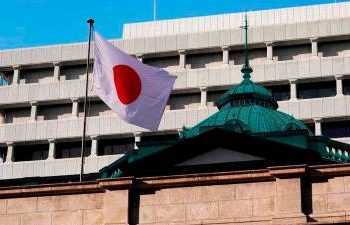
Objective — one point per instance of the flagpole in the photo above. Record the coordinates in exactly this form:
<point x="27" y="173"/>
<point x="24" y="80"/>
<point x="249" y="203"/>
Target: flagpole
<point x="91" y="25"/>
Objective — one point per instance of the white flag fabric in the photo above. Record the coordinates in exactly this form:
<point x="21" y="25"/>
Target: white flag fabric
<point x="138" y="93"/>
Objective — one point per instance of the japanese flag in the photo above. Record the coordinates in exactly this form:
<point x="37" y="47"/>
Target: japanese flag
<point x="138" y="93"/>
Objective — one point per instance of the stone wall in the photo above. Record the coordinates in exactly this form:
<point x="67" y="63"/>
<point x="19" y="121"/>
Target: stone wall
<point x="279" y="195"/>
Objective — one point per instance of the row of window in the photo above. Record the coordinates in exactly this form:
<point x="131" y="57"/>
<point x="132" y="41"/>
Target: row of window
<point x="177" y="101"/>
<point x="194" y="61"/>
<point x="64" y="150"/>
<point x="331" y="129"/>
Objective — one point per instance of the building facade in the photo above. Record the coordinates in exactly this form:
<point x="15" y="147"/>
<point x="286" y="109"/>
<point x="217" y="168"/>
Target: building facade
<point x="302" y="55"/>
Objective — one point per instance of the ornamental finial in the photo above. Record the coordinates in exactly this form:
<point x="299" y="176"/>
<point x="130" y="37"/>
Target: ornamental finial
<point x="246" y="70"/>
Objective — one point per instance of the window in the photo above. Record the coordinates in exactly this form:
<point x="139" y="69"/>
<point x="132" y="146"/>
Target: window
<point x="4" y="80"/>
<point x="336" y="129"/>
<point x="115" y="146"/>
<point x="280" y="92"/>
<point x="316" y="90"/>
<point x="30" y="152"/>
<point x="3" y="151"/>
<point x="71" y="150"/>
<point x="159" y="138"/>
<point x="213" y="96"/>
<point x="184" y="101"/>
<point x="346" y="86"/>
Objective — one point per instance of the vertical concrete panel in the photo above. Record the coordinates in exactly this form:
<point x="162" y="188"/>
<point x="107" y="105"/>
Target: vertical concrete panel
<point x="17" y="170"/>
<point x="51" y="129"/>
<point x="303" y="68"/>
<point x="40" y="132"/>
<point x="214" y="39"/>
<point x="292" y="69"/>
<point x="28" y="169"/>
<point x="316" y="105"/>
<point x="192" y="79"/>
<point x="224" y="36"/>
<point x="180" y="118"/>
<point x="315" y="67"/>
<point x="291" y="31"/>
<point x="203" y="78"/>
<point x="339" y="106"/>
<point x="281" y="71"/>
<point x="169" y="120"/>
<point x="336" y="27"/>
<point x="23" y="93"/>
<point x="236" y="37"/>
<point x="139" y="45"/>
<point x="26" y="56"/>
<point x="30" y="131"/>
<point x="129" y="46"/>
<point x="328" y="107"/>
<point x="4" y="91"/>
<point x="181" y="42"/>
<point x="338" y="65"/>
<point x="13" y="94"/>
<point x="270" y="71"/>
<point x="326" y="66"/>
<point x="305" y="109"/>
<point x="150" y="45"/>
<point x="280" y="32"/>
<point x="302" y="30"/>
<point x="170" y="43"/>
<point x="269" y="33"/>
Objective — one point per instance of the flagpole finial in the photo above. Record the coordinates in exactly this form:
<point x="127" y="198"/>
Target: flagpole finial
<point x="91" y="21"/>
<point x="246" y="70"/>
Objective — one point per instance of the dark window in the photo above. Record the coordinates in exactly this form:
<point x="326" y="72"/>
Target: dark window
<point x="115" y="146"/>
<point x="159" y="138"/>
<point x="336" y="129"/>
<point x="346" y="86"/>
<point x="4" y="80"/>
<point x="280" y="92"/>
<point x="30" y="152"/>
<point x="3" y="151"/>
<point x="213" y="96"/>
<point x="71" y="150"/>
<point x="316" y="90"/>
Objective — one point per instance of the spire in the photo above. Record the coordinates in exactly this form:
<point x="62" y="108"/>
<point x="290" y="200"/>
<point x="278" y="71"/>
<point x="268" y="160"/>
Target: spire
<point x="246" y="70"/>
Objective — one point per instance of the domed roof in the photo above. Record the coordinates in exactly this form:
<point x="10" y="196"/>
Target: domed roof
<point x="247" y="108"/>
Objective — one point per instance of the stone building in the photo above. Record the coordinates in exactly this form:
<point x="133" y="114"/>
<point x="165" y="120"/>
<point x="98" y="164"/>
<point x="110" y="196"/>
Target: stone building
<point x="268" y="163"/>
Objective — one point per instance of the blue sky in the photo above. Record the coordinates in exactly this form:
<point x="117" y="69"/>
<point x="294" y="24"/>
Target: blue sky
<point x="26" y="23"/>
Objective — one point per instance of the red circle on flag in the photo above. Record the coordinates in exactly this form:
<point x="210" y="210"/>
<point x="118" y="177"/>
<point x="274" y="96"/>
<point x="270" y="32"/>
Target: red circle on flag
<point x="127" y="83"/>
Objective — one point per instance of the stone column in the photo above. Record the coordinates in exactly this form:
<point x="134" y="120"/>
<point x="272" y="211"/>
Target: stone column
<point x="9" y="155"/>
<point x="137" y="136"/>
<point x="33" y="111"/>
<point x="203" y="96"/>
<point x="182" y="63"/>
<point x="269" y="50"/>
<point x="318" y="127"/>
<point x="289" y="194"/>
<point x="225" y="54"/>
<point x="52" y="149"/>
<point x="16" y="74"/>
<point x="2" y="116"/>
<point x="94" y="146"/>
<point x="339" y="83"/>
<point x="314" y="46"/>
<point x="293" y="89"/>
<point x="75" y="107"/>
<point x="139" y="57"/>
<point x="57" y="71"/>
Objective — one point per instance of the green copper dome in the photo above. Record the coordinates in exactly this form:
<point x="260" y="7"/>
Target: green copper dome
<point x="249" y="108"/>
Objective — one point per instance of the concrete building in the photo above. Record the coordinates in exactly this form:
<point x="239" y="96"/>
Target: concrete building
<point x="301" y="54"/>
